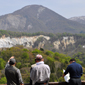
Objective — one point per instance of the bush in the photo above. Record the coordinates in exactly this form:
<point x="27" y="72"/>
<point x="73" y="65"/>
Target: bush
<point x="19" y="65"/>
<point x="3" y="80"/>
<point x="2" y="63"/>
<point x="36" y="51"/>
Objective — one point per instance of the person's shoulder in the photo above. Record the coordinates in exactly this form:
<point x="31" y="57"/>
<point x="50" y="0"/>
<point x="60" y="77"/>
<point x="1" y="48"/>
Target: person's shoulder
<point x="79" y="64"/>
<point x="73" y="64"/>
<point x="69" y="65"/>
<point x="33" y="65"/>
<point x="16" y="68"/>
<point x="47" y="65"/>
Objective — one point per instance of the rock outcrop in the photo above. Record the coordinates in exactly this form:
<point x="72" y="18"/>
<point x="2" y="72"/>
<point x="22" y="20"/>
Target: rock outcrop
<point x="64" y="42"/>
<point x="7" y="42"/>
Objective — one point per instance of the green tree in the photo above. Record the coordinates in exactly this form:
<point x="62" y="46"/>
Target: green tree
<point x="2" y="63"/>
<point x="25" y="55"/>
<point x="19" y="65"/>
<point x="36" y="51"/>
<point x="3" y="80"/>
<point x="49" y="53"/>
<point x="50" y="62"/>
<point x="52" y="77"/>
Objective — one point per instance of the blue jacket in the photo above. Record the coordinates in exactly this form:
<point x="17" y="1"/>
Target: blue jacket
<point x="75" y="70"/>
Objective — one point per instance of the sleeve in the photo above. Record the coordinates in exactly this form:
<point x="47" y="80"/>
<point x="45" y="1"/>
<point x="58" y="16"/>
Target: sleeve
<point x="49" y="72"/>
<point x="19" y="76"/>
<point x="81" y="71"/>
<point x="34" y="75"/>
<point x="30" y="78"/>
<point x="67" y="70"/>
<point x="7" y="64"/>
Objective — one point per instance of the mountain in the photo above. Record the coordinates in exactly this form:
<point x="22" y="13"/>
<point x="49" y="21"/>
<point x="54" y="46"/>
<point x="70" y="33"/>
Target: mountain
<point x="80" y="19"/>
<point x="37" y="18"/>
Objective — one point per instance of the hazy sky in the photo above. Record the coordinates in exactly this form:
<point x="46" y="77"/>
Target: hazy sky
<point x="66" y="8"/>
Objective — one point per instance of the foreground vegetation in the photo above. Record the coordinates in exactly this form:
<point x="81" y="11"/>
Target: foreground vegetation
<point x="25" y="58"/>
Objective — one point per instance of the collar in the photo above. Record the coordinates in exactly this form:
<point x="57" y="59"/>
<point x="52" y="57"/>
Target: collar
<point x="41" y="62"/>
<point x="73" y="62"/>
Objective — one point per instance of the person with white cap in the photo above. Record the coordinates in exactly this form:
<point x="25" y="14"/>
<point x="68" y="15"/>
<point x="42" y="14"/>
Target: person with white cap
<point x="12" y="73"/>
<point x="40" y="73"/>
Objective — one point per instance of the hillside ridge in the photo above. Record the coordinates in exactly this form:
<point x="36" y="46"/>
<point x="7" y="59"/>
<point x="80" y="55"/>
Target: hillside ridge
<point x="37" y="18"/>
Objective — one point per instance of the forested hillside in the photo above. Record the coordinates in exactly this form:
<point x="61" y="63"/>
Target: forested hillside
<point x="25" y="58"/>
<point x="60" y="42"/>
<point x="71" y="46"/>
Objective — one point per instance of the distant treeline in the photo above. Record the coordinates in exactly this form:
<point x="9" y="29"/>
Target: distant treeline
<point x="19" y="34"/>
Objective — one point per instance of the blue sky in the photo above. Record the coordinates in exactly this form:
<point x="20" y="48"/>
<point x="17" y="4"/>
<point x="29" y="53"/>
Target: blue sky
<point x="65" y="8"/>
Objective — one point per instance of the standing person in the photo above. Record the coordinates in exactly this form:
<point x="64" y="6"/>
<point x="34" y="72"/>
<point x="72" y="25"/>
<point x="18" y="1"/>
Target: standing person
<point x="75" y="71"/>
<point x="30" y="72"/>
<point x="12" y="73"/>
<point x="40" y="74"/>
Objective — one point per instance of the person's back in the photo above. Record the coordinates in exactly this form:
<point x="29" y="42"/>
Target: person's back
<point x="12" y="73"/>
<point x="30" y="72"/>
<point x="75" y="70"/>
<point x="40" y="74"/>
<point x="44" y="72"/>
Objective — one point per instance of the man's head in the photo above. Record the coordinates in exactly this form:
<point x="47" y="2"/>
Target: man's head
<point x="72" y="60"/>
<point x="12" y="61"/>
<point x="38" y="58"/>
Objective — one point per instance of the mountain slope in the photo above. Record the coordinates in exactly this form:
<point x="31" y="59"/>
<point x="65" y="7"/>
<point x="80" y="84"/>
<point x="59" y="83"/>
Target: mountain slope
<point x="36" y="18"/>
<point x="80" y="19"/>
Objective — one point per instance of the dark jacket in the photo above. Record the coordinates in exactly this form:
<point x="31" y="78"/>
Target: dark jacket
<point x="13" y="75"/>
<point x="75" y="70"/>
